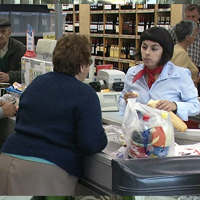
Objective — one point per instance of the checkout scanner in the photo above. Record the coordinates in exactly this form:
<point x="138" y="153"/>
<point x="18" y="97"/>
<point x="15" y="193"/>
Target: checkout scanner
<point x="110" y="76"/>
<point x="108" y="100"/>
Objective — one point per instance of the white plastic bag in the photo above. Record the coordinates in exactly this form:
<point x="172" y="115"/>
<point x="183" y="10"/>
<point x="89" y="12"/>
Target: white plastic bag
<point x="151" y="137"/>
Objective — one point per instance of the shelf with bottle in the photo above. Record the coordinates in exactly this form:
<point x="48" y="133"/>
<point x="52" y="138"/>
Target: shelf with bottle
<point x="96" y="24"/>
<point x="127" y="25"/>
<point x="69" y="24"/>
<point x="163" y="8"/>
<point x="144" y="21"/>
<point x="96" y="7"/>
<point x="72" y="17"/>
<point x="111" y="20"/>
<point x="70" y="8"/>
<point x="164" y="21"/>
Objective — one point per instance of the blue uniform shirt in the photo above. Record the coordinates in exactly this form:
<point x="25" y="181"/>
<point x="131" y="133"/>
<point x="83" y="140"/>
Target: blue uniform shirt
<point x="173" y="84"/>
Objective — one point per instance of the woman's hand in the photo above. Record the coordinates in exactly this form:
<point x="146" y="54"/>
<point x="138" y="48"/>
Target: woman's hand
<point x="166" y="105"/>
<point x="129" y="95"/>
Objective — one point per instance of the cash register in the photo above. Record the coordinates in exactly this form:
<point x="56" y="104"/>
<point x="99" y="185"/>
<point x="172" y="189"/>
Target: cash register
<point x="108" y="100"/>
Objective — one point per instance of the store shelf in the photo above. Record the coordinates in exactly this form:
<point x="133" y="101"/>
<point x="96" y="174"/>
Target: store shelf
<point x="122" y="38"/>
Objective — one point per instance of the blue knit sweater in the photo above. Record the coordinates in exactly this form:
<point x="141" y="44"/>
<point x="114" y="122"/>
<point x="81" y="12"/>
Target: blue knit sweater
<point x="59" y="119"/>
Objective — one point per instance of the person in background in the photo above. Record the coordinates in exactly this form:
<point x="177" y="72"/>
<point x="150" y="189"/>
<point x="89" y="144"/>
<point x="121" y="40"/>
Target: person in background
<point x="11" y="52"/>
<point x="58" y="122"/>
<point x="158" y="78"/>
<point x="186" y="32"/>
<point x="192" y="12"/>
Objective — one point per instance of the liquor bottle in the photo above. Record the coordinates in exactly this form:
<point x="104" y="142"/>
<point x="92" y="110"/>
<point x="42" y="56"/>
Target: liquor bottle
<point x="117" y="26"/>
<point x="167" y="23"/>
<point x="99" y="25"/>
<point x="66" y="24"/>
<point x="112" y="27"/>
<point x="112" y="50"/>
<point x="123" y="51"/>
<point x="76" y="7"/>
<point x="98" y="48"/>
<point x="147" y="25"/>
<point x="141" y="26"/>
<point x="101" y="50"/>
<point x="107" y="26"/>
<point x="93" y="48"/>
<point x="132" y="51"/>
<point x="159" y="21"/>
<point x="92" y="25"/>
<point x="107" y="50"/>
<point x="123" y="26"/>
<point x="127" y="26"/>
<point x="127" y="47"/>
<point x="130" y="27"/>
<point x="70" y="25"/>
<point x="95" y="23"/>
<point x="77" y="24"/>
<point x="152" y="22"/>
<point x="116" y="52"/>
<point x="162" y="23"/>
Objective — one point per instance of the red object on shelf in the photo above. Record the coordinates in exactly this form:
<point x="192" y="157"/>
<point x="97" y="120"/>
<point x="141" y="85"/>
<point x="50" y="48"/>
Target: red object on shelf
<point x="106" y="66"/>
<point x="30" y="54"/>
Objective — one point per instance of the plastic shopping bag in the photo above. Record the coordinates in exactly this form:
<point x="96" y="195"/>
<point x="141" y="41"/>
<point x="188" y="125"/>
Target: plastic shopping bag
<point x="148" y="131"/>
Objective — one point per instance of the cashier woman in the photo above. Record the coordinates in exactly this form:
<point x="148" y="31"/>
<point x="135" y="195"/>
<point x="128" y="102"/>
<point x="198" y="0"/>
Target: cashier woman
<point x="58" y="122"/>
<point x="158" y="78"/>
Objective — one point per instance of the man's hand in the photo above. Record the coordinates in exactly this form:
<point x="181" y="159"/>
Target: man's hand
<point x="9" y="110"/>
<point x="4" y="77"/>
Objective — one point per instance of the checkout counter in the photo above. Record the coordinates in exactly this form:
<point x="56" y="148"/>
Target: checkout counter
<point x="107" y="175"/>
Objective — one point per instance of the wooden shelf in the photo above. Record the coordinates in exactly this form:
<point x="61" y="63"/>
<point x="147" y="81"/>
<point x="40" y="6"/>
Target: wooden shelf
<point x="174" y="12"/>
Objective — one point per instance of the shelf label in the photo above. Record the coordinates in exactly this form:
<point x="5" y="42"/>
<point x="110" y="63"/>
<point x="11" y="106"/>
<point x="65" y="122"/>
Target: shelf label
<point x="49" y="35"/>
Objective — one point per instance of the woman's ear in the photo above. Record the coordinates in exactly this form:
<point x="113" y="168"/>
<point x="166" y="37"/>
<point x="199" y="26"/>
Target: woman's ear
<point x="187" y="37"/>
<point x="81" y="69"/>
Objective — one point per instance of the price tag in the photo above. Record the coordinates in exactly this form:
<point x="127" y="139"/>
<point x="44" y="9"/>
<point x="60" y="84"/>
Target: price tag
<point x="49" y="35"/>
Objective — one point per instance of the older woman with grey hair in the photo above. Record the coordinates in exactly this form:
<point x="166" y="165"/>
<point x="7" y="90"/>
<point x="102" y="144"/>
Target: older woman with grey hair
<point x="186" y="32"/>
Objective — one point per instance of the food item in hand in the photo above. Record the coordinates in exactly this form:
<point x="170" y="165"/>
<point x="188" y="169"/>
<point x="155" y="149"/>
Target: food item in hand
<point x="136" y="94"/>
<point x="176" y="121"/>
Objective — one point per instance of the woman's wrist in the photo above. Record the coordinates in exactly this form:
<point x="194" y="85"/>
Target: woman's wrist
<point x="175" y="111"/>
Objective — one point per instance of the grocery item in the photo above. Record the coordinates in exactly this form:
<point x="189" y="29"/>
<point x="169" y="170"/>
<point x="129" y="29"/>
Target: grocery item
<point x="176" y="121"/>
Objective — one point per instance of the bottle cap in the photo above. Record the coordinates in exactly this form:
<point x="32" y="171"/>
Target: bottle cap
<point x="164" y="115"/>
<point x="146" y="117"/>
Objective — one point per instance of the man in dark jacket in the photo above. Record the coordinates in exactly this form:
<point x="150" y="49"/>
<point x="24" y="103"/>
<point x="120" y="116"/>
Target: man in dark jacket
<point x="11" y="52"/>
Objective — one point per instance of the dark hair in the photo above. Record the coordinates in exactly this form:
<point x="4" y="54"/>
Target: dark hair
<point x="184" y="28"/>
<point x="70" y="53"/>
<point x="191" y="7"/>
<point x="161" y="36"/>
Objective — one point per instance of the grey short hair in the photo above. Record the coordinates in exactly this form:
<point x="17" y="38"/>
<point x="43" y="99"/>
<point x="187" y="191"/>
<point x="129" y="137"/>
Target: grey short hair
<point x="185" y="27"/>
